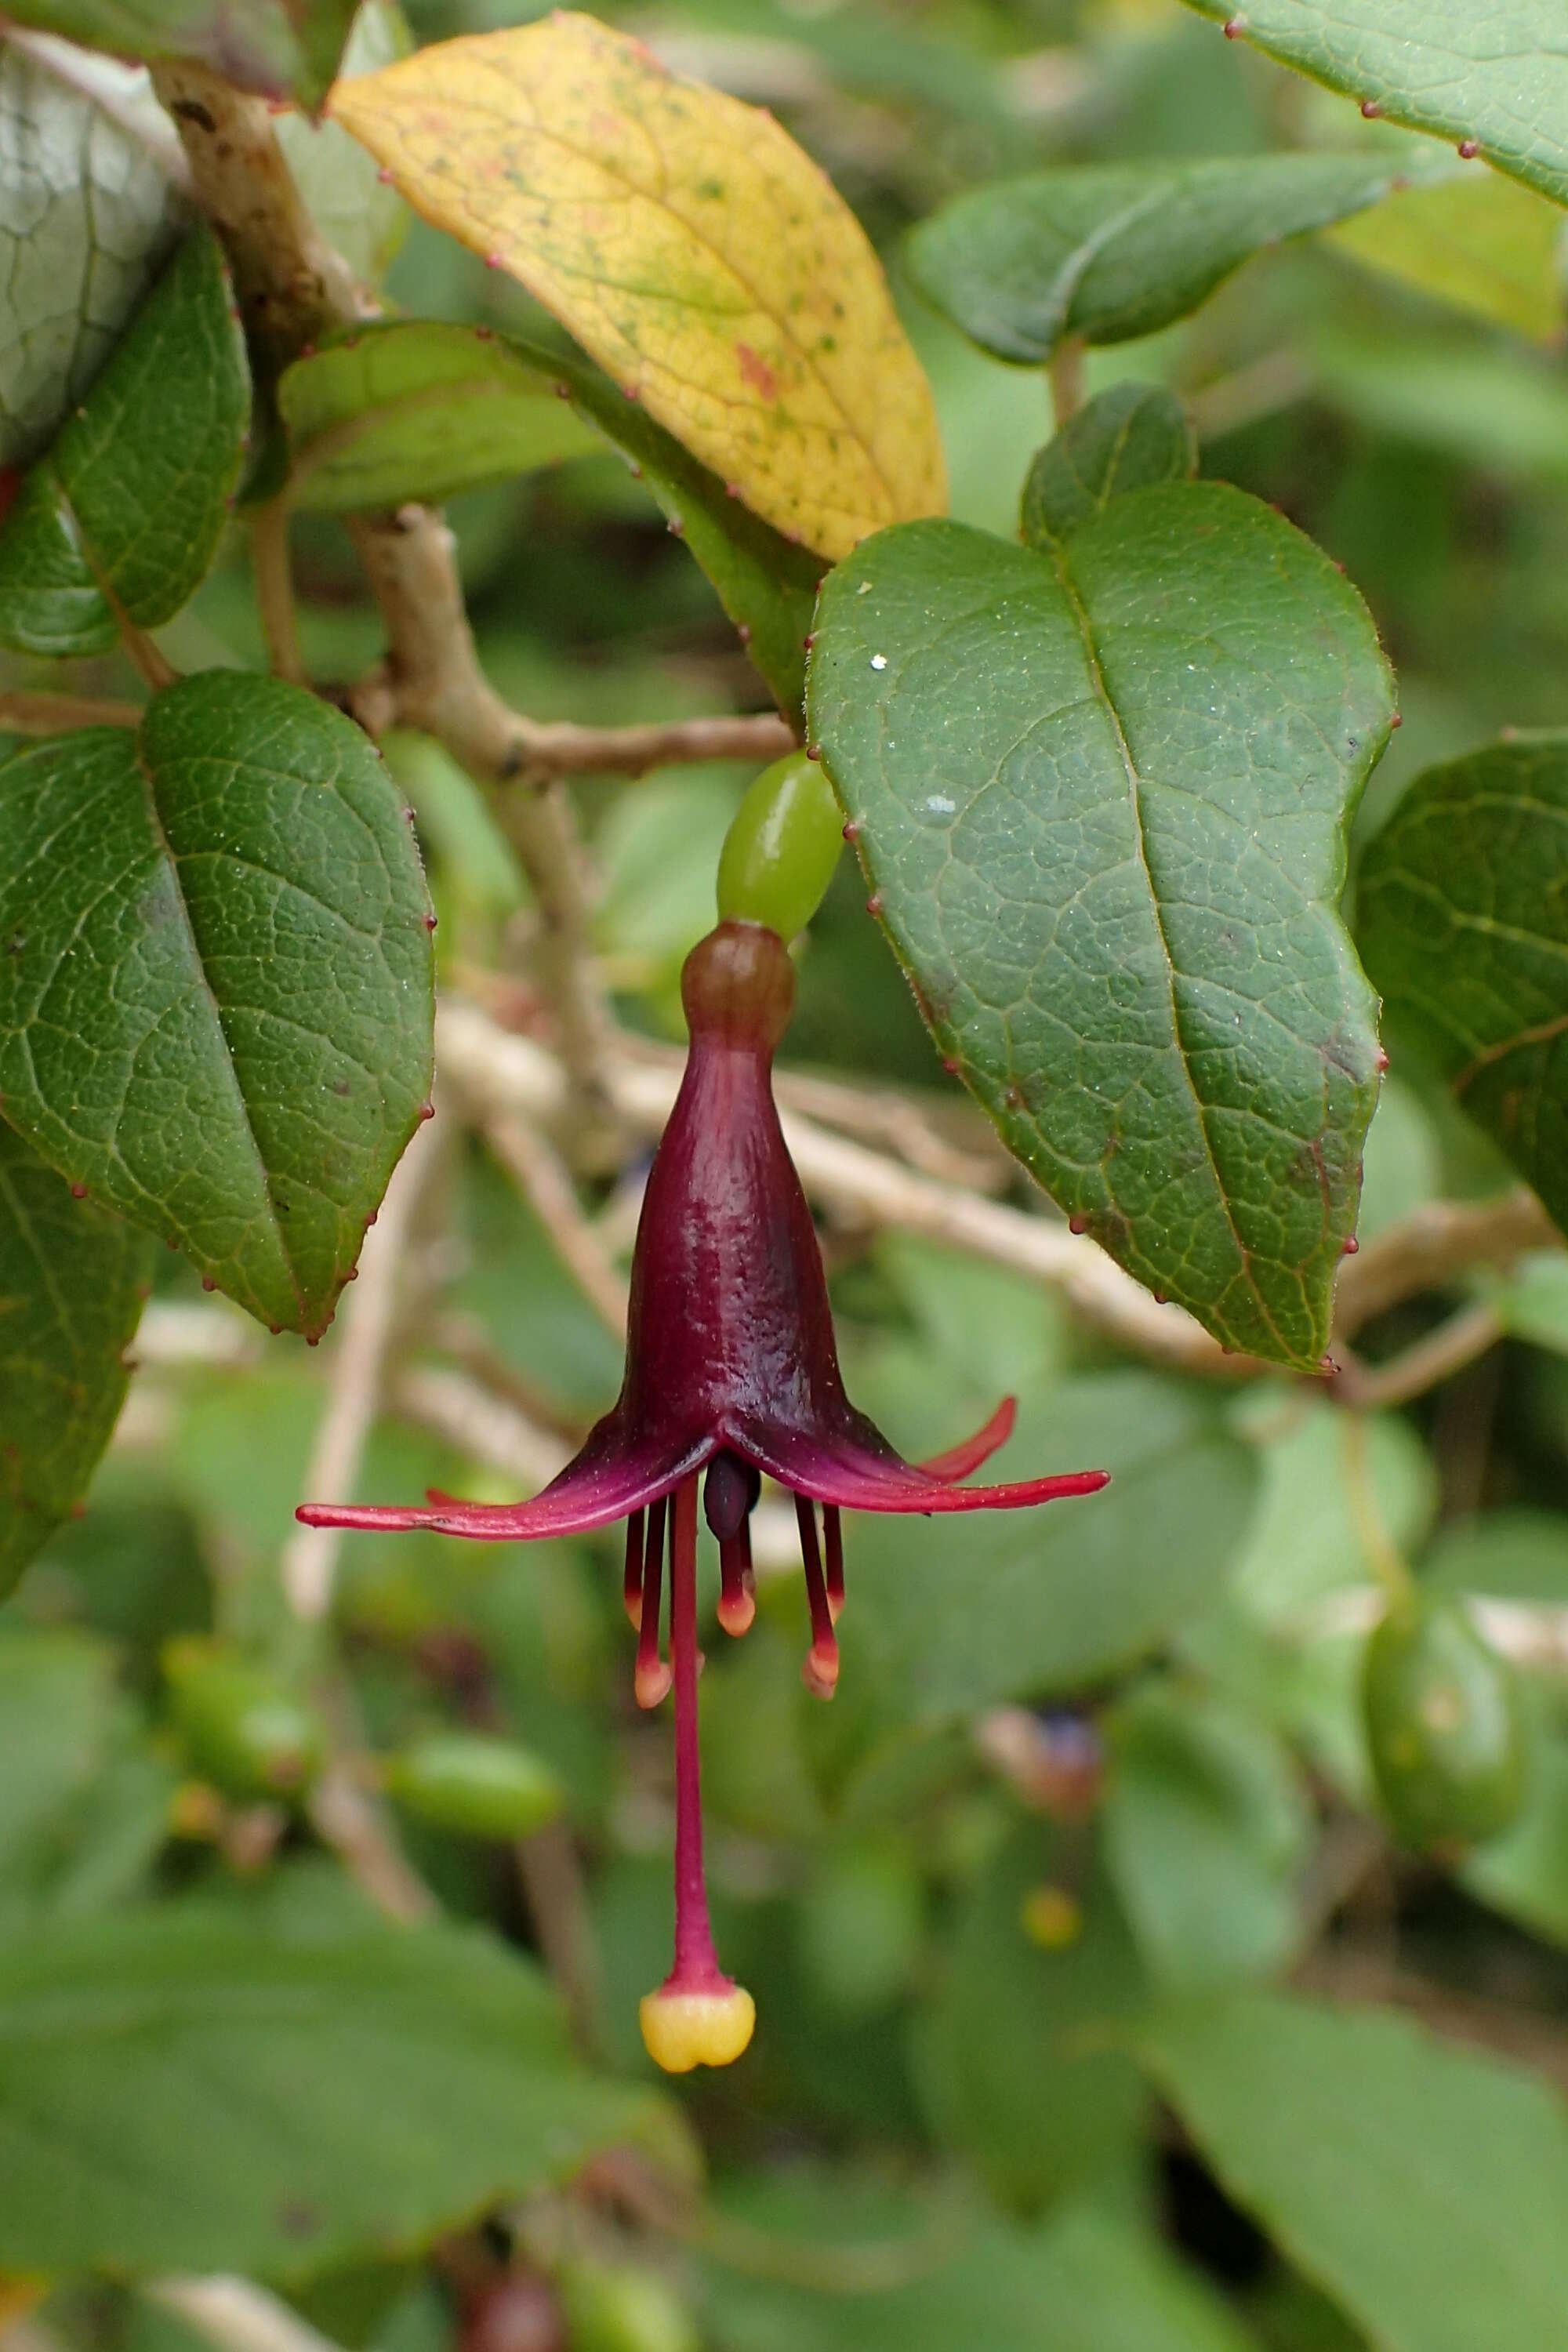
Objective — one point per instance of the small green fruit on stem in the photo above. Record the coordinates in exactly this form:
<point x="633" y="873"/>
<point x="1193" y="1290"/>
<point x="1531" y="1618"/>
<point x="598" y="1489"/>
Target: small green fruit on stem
<point x="624" y="2307"/>
<point x="779" y="854"/>
<point x="480" y="1787"/>
<point x="1445" y="1728"/>
<point x="242" y="1728"/>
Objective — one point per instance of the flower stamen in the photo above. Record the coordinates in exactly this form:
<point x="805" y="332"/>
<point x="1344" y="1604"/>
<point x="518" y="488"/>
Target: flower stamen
<point x="737" y="1585"/>
<point x="820" y="1671"/>
<point x="651" y="1678"/>
<point x="631" y="1583"/>
<point x="833" y="1538"/>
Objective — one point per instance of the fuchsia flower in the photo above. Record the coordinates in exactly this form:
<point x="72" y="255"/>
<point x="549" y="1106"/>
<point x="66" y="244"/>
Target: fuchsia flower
<point x="731" y="1369"/>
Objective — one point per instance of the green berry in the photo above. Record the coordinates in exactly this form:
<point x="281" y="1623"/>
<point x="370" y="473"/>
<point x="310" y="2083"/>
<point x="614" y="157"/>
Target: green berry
<point x="480" y="1787"/>
<point x="624" y="2309"/>
<point x="241" y="1728"/>
<point x="779" y="854"/>
<point x="1445" y="1728"/>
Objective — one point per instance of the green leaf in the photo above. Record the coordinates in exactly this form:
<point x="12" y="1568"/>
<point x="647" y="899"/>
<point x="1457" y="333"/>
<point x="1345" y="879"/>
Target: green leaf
<point x="1011" y="1603"/>
<point x="72" y="1279"/>
<point x="417" y="408"/>
<point x="83" y="1803"/>
<point x="1021" y="2051"/>
<point x="273" y="46"/>
<point x="190" y="2092"/>
<point x="88" y="210"/>
<point x="360" y="215"/>
<point x="929" y="2274"/>
<point x="1106" y="252"/>
<point x="1533" y="1299"/>
<point x="1127" y="438"/>
<point x="1510" y="1555"/>
<point x="215" y="1010"/>
<point x="123" y="516"/>
<point x="1102" y="801"/>
<point x="1423" y="2185"/>
<point x="1206" y="1828"/>
<point x="1463" y="924"/>
<point x="419" y="411"/>
<point x="1496" y="75"/>
<point x="1524" y="1874"/>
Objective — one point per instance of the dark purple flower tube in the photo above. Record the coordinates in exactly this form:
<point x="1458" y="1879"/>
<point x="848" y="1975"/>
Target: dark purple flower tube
<point x="732" y="1371"/>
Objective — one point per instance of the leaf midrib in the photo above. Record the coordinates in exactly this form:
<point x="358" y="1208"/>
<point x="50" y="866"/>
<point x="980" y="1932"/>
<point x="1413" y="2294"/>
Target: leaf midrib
<point x="1080" y="612"/>
<point x="231" y="1072"/>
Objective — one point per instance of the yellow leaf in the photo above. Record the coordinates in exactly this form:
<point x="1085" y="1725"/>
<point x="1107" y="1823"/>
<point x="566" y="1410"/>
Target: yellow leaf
<point x="1479" y="241"/>
<point x="706" y="263"/>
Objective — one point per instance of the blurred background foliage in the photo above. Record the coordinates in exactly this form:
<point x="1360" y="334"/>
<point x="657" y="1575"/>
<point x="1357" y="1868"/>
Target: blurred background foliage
<point x="1077" y="1760"/>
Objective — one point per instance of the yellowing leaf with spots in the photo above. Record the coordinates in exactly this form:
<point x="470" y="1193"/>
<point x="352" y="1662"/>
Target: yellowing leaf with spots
<point x="689" y="245"/>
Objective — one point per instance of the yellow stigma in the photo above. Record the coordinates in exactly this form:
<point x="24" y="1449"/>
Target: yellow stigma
<point x="682" y="2029"/>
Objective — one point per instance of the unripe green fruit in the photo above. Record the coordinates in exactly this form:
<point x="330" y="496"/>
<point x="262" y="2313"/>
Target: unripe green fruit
<point x="1444" y="1726"/>
<point x="624" y="2309"/>
<point x="480" y="1787"/>
<point x="779" y="854"/>
<point x="243" y="1730"/>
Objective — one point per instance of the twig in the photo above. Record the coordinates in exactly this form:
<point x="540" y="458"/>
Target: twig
<point x="1276" y="380"/>
<point x="1064" y="371"/>
<point x="546" y="1183"/>
<point x="1427" y="1250"/>
<point x="551" y="1880"/>
<point x="345" y="1817"/>
<point x="236" y="2316"/>
<point x="144" y="655"/>
<point x="57" y="714"/>
<point x="291" y="284"/>
<point x="310" y="1558"/>
<point x="488" y="1428"/>
<point x="1338" y="1971"/>
<point x="1382" y="1553"/>
<point x="275" y="590"/>
<point x="944" y="1135"/>
<point x="1443" y="1352"/>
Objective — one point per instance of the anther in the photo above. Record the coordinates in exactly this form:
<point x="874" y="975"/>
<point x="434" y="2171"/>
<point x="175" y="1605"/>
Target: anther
<point x="819" y="1671"/>
<point x="631" y="1582"/>
<point x="652" y="1678"/>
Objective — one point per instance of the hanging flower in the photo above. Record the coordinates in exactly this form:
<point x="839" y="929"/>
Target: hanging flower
<point x="732" y="1371"/>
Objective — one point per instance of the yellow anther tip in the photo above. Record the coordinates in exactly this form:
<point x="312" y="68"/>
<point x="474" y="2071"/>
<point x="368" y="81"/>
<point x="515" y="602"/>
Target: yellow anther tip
<point x="683" y="2030"/>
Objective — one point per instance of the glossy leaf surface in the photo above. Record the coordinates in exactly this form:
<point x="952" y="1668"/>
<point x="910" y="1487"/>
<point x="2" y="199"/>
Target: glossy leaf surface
<point x="195" y="2093"/>
<point x="88" y="210"/>
<point x="72" y="1279"/>
<point x="1101" y="802"/>
<point x="1429" y="2246"/>
<point x="1109" y="251"/>
<point x="1496" y="74"/>
<point x="123" y="515"/>
<point x="1128" y="438"/>
<point x="271" y="46"/>
<point x="1462" y="918"/>
<point x="216" y="1011"/>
